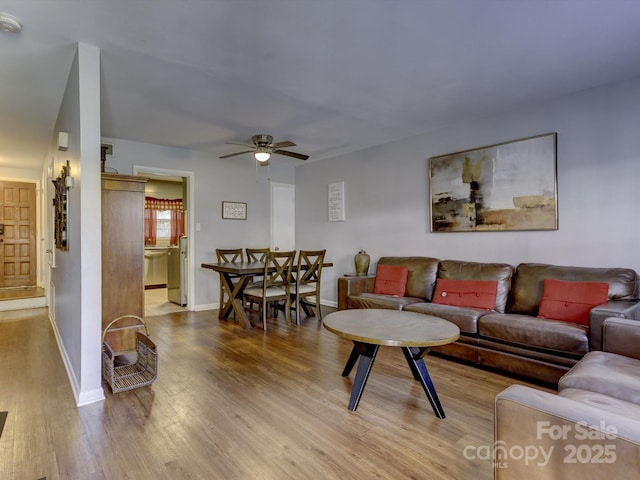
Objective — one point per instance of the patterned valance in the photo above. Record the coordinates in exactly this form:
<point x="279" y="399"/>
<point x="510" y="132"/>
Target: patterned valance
<point x="162" y="204"/>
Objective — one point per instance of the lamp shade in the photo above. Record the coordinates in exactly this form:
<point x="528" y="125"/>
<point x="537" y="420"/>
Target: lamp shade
<point x="262" y="154"/>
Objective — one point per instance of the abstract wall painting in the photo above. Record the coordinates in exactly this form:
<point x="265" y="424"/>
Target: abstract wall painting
<point x="505" y="187"/>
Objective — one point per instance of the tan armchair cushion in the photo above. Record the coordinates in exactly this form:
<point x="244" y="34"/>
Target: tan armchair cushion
<point x="606" y="373"/>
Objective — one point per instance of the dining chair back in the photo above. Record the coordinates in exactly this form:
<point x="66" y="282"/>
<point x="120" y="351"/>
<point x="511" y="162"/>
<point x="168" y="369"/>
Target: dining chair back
<point x="228" y="255"/>
<point x="275" y="285"/>
<point x="256" y="254"/>
<point x="307" y="282"/>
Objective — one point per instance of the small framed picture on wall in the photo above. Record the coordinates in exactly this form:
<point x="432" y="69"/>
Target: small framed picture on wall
<point x="234" y="210"/>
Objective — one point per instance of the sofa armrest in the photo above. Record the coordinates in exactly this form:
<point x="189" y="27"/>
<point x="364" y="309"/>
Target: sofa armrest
<point x="614" y="308"/>
<point x="540" y="435"/>
<point x="621" y="336"/>
<point x="352" y="286"/>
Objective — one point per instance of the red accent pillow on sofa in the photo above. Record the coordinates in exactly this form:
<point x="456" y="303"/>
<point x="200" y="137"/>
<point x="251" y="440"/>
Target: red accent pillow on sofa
<point x="466" y="293"/>
<point x="391" y="280"/>
<point x="571" y="301"/>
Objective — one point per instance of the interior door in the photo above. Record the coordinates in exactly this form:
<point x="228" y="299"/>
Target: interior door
<point x="283" y="217"/>
<point x="17" y="234"/>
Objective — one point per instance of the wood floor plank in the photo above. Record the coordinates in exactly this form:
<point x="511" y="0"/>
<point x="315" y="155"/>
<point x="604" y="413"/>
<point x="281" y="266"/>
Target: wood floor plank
<point x="234" y="403"/>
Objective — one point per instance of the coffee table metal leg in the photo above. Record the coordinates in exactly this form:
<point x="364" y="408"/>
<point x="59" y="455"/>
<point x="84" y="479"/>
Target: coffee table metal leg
<point x="351" y="361"/>
<point x="409" y="357"/>
<point x="367" y="356"/>
<point x="414" y="358"/>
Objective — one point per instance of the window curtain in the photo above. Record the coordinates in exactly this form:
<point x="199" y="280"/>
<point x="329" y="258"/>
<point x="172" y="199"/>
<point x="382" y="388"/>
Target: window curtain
<point x="150" y="226"/>
<point x="163" y="204"/>
<point x="177" y="226"/>
<point x="151" y="207"/>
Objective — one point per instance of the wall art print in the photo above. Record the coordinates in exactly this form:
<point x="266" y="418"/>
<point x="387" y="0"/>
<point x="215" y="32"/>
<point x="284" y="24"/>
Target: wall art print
<point x="504" y="187"/>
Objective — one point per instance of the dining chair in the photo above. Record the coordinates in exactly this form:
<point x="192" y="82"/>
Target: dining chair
<point x="307" y="282"/>
<point x="256" y="255"/>
<point x="228" y="255"/>
<point x="275" y="285"/>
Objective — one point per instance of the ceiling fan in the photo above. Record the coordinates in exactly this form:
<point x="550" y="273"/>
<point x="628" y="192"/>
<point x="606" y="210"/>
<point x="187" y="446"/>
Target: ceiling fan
<point x="262" y="147"/>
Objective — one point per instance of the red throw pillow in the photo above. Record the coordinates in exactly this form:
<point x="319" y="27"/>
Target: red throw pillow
<point x="466" y="293"/>
<point x="571" y="301"/>
<point x="391" y="280"/>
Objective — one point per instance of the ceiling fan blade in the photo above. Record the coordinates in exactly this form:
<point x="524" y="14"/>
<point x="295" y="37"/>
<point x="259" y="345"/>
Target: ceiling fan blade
<point x="244" y="144"/>
<point x="234" y="154"/>
<point x="282" y="144"/>
<point x="286" y="153"/>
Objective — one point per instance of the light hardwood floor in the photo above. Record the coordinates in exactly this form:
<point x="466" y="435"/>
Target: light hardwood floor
<point x="231" y="403"/>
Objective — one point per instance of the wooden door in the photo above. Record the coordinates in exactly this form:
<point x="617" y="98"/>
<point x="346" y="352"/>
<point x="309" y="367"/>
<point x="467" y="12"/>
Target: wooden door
<point x="17" y="234"/>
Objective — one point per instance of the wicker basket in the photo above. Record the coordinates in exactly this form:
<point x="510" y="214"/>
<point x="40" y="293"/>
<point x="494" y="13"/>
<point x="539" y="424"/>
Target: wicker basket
<point x="129" y="375"/>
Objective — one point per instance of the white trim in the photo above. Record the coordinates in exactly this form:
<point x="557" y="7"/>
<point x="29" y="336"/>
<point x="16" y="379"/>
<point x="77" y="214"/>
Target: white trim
<point x="82" y="398"/>
<point x="191" y="231"/>
<point x="92" y="396"/>
<point x="206" y="306"/>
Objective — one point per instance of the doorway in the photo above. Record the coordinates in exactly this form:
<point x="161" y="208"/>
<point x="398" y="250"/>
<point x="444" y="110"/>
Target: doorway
<point x="157" y="295"/>
<point x="283" y="216"/>
<point x="18" y="233"/>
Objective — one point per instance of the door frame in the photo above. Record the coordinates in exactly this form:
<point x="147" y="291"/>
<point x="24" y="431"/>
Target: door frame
<point x="141" y="170"/>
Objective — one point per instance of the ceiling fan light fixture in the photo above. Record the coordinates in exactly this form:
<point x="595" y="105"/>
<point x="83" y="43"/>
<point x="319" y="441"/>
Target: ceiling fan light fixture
<point x="262" y="154"/>
<point x="9" y="23"/>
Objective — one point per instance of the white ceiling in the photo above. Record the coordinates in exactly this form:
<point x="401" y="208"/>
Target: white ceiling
<point x="334" y="76"/>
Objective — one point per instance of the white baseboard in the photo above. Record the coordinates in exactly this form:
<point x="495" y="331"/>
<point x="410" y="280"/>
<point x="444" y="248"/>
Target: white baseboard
<point x="82" y="398"/>
<point x="329" y="303"/>
<point x="206" y="306"/>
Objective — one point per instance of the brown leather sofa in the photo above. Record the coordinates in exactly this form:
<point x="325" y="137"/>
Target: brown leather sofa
<point x="589" y="430"/>
<point x="510" y="337"/>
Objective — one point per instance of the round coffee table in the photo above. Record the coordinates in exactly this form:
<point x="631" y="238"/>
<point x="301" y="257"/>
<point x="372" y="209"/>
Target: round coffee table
<point x="368" y="329"/>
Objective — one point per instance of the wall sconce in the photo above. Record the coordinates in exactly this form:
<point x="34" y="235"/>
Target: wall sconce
<point x="63" y="141"/>
<point x="66" y="176"/>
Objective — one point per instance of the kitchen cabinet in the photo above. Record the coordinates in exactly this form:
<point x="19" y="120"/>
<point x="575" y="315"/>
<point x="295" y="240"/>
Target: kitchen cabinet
<point x="122" y="255"/>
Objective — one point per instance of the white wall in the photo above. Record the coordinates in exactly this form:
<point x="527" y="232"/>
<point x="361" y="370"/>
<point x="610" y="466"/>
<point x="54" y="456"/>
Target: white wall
<point x="387" y="194"/>
<point x="215" y="180"/>
<point x="76" y="278"/>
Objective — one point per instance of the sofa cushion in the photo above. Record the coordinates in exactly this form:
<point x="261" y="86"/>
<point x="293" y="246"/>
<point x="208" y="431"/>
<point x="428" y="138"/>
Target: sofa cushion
<point x="373" y="300"/>
<point x="499" y="272"/>
<point x="571" y="301"/>
<point x="391" y="280"/>
<point x="606" y="373"/>
<point x="528" y="280"/>
<point x="535" y="333"/>
<point x="465" y="318"/>
<point x="422" y="274"/>
<point x="466" y="293"/>
<point x="605" y="402"/>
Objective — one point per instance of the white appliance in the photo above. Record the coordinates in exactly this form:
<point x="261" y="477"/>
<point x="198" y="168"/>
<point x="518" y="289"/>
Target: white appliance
<point x="177" y="273"/>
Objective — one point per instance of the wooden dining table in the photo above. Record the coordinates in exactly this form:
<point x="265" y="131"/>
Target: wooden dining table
<point x="234" y="278"/>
